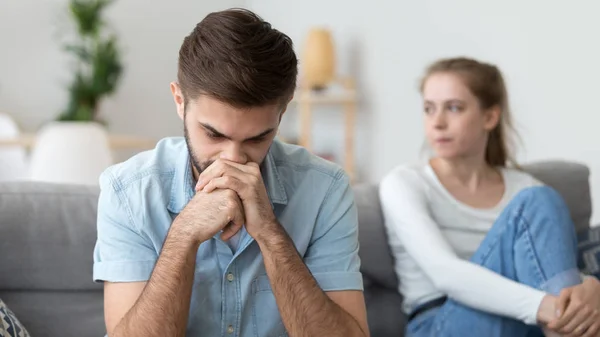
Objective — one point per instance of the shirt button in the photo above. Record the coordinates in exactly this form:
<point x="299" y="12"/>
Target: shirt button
<point x="230" y="277"/>
<point x="230" y="329"/>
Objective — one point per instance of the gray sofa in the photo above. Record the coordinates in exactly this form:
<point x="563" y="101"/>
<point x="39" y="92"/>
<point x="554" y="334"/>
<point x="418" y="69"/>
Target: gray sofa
<point x="47" y="234"/>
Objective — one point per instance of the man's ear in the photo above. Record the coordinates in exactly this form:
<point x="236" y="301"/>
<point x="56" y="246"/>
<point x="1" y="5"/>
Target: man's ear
<point x="178" y="98"/>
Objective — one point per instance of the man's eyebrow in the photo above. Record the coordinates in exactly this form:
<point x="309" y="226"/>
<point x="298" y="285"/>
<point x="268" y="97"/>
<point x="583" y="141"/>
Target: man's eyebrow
<point x="216" y="133"/>
<point x="213" y="131"/>
<point x="259" y="136"/>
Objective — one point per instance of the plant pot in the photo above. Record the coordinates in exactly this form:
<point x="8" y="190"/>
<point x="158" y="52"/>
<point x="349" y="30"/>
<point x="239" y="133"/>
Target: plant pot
<point x="70" y="152"/>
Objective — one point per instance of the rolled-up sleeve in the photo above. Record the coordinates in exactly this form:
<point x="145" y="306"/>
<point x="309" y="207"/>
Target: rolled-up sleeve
<point x="122" y="252"/>
<point x="332" y="255"/>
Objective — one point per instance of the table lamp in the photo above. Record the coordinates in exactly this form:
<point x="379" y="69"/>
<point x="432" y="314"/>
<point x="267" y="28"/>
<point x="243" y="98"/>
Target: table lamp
<point x="318" y="59"/>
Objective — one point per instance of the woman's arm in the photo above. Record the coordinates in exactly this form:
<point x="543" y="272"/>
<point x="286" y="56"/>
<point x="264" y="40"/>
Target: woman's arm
<point x="404" y="204"/>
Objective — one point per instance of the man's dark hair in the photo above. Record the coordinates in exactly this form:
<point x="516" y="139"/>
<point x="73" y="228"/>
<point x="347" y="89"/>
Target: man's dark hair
<point x="238" y="58"/>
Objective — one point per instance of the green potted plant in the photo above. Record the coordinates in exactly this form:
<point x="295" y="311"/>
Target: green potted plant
<point x="75" y="146"/>
<point x="98" y="66"/>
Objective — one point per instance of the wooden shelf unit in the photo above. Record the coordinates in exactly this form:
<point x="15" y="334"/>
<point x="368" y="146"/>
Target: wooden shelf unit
<point x="307" y="98"/>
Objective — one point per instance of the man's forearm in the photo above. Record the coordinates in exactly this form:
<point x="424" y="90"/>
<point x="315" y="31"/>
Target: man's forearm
<point x="162" y="308"/>
<point x="305" y="309"/>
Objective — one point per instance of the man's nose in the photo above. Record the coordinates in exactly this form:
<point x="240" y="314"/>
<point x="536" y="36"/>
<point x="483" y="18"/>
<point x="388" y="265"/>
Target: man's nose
<point x="234" y="152"/>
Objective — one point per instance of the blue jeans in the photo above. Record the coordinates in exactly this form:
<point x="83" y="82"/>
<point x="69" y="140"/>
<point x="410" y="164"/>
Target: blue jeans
<point x="532" y="242"/>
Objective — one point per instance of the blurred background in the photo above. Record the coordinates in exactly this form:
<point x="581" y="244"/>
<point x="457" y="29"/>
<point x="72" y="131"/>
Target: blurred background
<point x="375" y="50"/>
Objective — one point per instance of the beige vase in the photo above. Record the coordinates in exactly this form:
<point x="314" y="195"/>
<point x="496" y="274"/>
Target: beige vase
<point x="318" y="59"/>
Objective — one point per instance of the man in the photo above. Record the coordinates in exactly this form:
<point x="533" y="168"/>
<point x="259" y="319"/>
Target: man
<point x="228" y="232"/>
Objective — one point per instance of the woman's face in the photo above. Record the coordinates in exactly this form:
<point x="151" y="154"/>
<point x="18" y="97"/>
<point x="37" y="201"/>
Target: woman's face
<point x="455" y="124"/>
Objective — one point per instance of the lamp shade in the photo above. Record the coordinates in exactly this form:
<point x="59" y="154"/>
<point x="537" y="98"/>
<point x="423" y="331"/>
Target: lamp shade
<point x="318" y="61"/>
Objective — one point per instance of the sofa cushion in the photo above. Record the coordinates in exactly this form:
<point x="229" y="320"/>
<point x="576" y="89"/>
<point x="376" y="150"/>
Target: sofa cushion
<point x="384" y="311"/>
<point x="375" y="254"/>
<point x="48" y="234"/>
<point x="589" y="252"/>
<point x="58" y="313"/>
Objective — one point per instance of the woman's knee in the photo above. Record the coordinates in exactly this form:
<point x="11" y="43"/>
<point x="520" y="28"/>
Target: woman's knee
<point x="542" y="206"/>
<point x="540" y="196"/>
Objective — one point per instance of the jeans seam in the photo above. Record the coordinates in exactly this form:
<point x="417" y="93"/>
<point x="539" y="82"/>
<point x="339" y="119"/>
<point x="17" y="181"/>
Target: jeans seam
<point x="522" y="221"/>
<point x="490" y="247"/>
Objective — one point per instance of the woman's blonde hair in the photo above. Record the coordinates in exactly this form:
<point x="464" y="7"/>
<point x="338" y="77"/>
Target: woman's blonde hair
<point x="485" y="81"/>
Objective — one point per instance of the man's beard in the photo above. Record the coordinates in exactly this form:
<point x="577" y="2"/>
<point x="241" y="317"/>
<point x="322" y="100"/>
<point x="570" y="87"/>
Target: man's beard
<point x="198" y="165"/>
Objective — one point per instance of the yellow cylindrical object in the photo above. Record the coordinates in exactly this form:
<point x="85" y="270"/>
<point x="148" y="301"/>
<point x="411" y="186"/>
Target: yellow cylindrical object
<point x="318" y="62"/>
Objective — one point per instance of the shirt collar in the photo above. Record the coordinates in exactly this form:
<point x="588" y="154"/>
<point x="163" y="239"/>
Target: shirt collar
<point x="182" y="187"/>
<point x="272" y="179"/>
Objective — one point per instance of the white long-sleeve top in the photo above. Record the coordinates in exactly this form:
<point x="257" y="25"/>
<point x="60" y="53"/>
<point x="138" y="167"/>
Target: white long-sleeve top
<point x="433" y="235"/>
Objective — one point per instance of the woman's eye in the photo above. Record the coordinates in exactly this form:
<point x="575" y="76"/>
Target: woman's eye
<point x="454" y="108"/>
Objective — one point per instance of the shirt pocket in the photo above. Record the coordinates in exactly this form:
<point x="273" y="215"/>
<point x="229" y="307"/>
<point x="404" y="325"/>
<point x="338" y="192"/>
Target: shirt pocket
<point x="265" y="315"/>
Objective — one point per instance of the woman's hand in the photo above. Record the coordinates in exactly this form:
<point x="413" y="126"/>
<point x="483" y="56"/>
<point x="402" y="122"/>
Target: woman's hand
<point x="578" y="310"/>
<point x="547" y="310"/>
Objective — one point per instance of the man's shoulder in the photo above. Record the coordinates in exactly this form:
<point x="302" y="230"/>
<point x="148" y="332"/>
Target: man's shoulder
<point x="146" y="167"/>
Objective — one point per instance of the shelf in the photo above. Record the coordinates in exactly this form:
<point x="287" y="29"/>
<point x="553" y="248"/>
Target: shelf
<point x="117" y="142"/>
<point x="326" y="97"/>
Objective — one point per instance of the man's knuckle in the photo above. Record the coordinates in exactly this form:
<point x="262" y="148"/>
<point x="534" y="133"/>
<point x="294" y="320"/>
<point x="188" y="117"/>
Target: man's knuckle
<point x="230" y="204"/>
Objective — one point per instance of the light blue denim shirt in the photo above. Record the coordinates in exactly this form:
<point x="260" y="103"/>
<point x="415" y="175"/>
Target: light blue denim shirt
<point x="231" y="294"/>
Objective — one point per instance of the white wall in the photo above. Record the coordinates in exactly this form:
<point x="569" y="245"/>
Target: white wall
<point x="34" y="71"/>
<point x="548" y="50"/>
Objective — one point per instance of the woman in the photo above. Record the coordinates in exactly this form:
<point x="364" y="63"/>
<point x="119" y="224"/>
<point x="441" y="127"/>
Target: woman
<point x="480" y="249"/>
